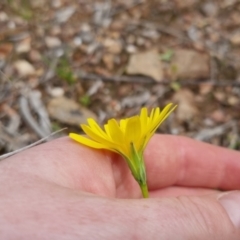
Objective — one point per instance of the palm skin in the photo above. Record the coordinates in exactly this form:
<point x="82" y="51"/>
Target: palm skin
<point x="62" y="190"/>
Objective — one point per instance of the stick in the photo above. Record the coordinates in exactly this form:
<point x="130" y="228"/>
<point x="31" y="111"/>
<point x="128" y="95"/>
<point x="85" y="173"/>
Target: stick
<point x="24" y="108"/>
<point x="148" y="80"/>
<point x="90" y="76"/>
<point x="31" y="145"/>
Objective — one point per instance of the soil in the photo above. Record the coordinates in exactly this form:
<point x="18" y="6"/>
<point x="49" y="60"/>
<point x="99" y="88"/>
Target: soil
<point x="108" y="59"/>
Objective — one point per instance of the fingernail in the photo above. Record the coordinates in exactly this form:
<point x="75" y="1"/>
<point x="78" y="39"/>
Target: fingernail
<point x="231" y="202"/>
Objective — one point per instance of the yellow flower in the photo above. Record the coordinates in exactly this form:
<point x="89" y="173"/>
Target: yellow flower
<point x="127" y="138"/>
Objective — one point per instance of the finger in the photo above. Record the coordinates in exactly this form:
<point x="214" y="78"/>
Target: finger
<point x="205" y="217"/>
<point x="66" y="214"/>
<point x="172" y="160"/>
<point x="176" y="191"/>
<point x="65" y="163"/>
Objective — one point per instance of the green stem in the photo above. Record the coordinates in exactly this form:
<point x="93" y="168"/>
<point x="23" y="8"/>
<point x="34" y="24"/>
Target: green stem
<point x="144" y="189"/>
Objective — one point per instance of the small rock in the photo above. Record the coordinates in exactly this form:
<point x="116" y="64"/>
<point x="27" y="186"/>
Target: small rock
<point x="235" y="39"/>
<point x="115" y="35"/>
<point x="150" y="33"/>
<point x="56" y="3"/>
<point x="86" y="34"/>
<point x="5" y="50"/>
<point x="140" y="41"/>
<point x="56" y="92"/>
<point x="55" y="30"/>
<point x="64" y="14"/>
<point x="2" y="63"/>
<point x="117" y="25"/>
<point x="87" y="37"/>
<point x="189" y="64"/>
<point x="136" y="99"/>
<point x="205" y="88"/>
<point x="52" y="42"/>
<point x="108" y="60"/>
<point x="38" y="3"/>
<point x="218" y="116"/>
<point x="35" y="56"/>
<point x="210" y="8"/>
<point x="220" y="96"/>
<point x="102" y="15"/>
<point x="227" y="3"/>
<point x="185" y="4"/>
<point x="19" y="36"/>
<point x="92" y="48"/>
<point x="58" y="52"/>
<point x="24" y="68"/>
<point x="24" y="46"/>
<point x="3" y="17"/>
<point x="146" y="63"/>
<point x="186" y="110"/>
<point x="194" y="34"/>
<point x="68" y="111"/>
<point x="94" y="88"/>
<point x="113" y="46"/>
<point x="11" y="25"/>
<point x="131" y="39"/>
<point x="233" y="100"/>
<point x="33" y="82"/>
<point x="77" y="41"/>
<point x="208" y="122"/>
<point x="131" y="49"/>
<point x="85" y="27"/>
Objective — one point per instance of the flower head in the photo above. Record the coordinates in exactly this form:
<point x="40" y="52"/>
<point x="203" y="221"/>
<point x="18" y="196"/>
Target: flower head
<point x="128" y="138"/>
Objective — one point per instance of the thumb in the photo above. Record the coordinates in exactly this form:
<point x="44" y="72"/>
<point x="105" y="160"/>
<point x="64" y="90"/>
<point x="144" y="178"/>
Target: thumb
<point x="207" y="217"/>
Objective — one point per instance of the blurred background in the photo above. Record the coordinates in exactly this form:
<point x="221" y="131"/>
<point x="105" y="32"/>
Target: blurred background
<point x="63" y="61"/>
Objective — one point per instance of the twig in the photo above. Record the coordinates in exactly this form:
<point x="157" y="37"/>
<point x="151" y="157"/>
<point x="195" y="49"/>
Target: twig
<point x="234" y="138"/>
<point x="50" y="71"/>
<point x="216" y="83"/>
<point x="38" y="106"/>
<point x="163" y="29"/>
<point x="6" y="86"/>
<point x="31" y="145"/>
<point x="148" y="80"/>
<point x="207" y="134"/>
<point x="90" y="76"/>
<point x="24" y="108"/>
<point x="213" y="69"/>
<point x="127" y="8"/>
<point x="14" y="121"/>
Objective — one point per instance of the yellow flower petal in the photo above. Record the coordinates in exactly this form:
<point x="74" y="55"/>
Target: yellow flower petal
<point x="88" y="142"/>
<point x="120" y="137"/>
<point x="119" y="145"/>
<point x="106" y="128"/>
<point x="133" y="129"/>
<point x="151" y="114"/>
<point x="166" y="112"/>
<point x="127" y="138"/>
<point x="144" y="119"/>
<point x="163" y="115"/>
<point x="123" y="124"/>
<point x="156" y="115"/>
<point x="94" y="136"/>
<point x="115" y="131"/>
<point x="93" y="124"/>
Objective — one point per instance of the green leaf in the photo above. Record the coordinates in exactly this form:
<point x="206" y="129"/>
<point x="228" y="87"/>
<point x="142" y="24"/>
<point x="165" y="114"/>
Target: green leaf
<point x="175" y="86"/>
<point x="64" y="71"/>
<point x="85" y="100"/>
<point x="167" y="56"/>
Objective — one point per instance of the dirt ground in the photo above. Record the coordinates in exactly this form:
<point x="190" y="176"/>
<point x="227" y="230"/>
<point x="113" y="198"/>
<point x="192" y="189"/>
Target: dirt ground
<point x="62" y="61"/>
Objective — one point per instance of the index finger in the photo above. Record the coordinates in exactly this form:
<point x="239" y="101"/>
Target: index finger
<point x="181" y="161"/>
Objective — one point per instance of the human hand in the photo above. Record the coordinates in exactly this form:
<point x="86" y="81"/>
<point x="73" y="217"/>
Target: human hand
<point x="62" y="190"/>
